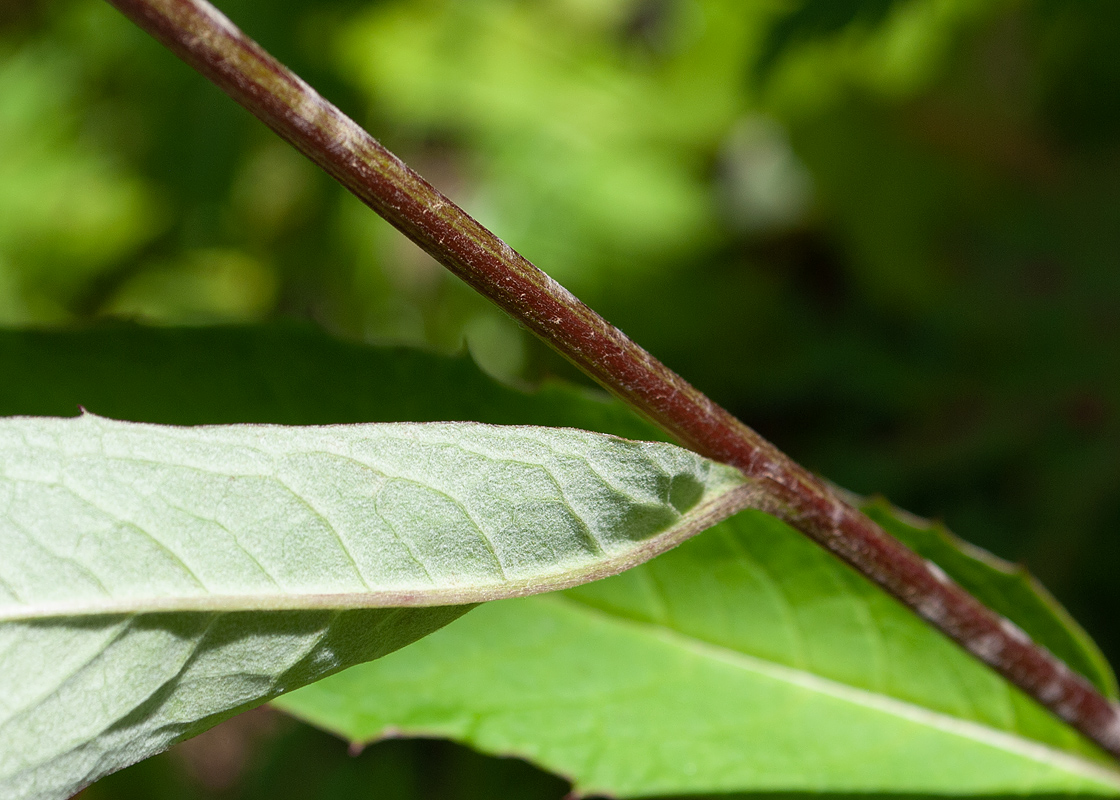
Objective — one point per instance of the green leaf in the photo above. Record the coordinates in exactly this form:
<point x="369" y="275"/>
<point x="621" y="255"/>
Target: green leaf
<point x="154" y="580"/>
<point x="294" y="374"/>
<point x="746" y="660"/>
<point x="1002" y="586"/>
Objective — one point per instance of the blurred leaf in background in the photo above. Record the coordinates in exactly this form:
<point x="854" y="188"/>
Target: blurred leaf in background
<point x="882" y="232"/>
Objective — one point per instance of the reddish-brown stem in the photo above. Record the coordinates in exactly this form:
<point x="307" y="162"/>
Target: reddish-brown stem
<point x="206" y="40"/>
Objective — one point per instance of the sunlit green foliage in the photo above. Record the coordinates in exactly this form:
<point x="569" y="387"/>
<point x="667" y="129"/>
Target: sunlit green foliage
<point x="884" y="233"/>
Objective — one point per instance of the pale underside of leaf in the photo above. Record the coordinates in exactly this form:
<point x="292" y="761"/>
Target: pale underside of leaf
<point x="154" y="580"/>
<point x="103" y="517"/>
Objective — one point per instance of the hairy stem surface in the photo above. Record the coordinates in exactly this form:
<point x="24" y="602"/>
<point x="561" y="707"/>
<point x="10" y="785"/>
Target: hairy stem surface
<point x="204" y="38"/>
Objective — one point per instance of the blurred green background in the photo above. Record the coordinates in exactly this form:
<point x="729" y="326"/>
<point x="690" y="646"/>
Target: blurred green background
<point x="883" y="232"/>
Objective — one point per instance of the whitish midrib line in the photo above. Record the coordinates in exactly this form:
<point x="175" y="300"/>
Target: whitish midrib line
<point x="956" y="726"/>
